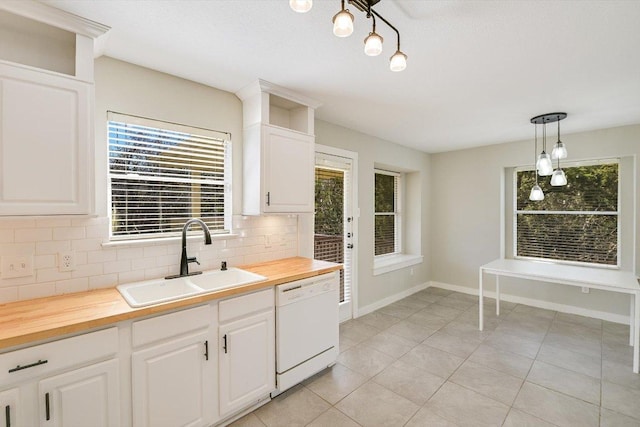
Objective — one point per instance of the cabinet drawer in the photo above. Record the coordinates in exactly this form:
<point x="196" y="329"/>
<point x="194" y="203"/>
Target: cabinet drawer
<point x="244" y="305"/>
<point x="42" y="359"/>
<point x="170" y="325"/>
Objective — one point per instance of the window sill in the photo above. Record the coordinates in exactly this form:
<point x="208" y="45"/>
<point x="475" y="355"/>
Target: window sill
<point x="385" y="264"/>
<point x="162" y="240"/>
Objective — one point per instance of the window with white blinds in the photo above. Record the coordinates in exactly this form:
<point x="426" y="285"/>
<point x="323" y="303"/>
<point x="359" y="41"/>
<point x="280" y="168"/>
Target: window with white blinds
<point x="387" y="213"/>
<point x="162" y="174"/>
<point x="576" y="223"/>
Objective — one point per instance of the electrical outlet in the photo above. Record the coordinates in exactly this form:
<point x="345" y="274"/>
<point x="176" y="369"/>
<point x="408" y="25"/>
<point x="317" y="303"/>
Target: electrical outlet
<point x="585" y="290"/>
<point x="67" y="261"/>
<point x="17" y="266"/>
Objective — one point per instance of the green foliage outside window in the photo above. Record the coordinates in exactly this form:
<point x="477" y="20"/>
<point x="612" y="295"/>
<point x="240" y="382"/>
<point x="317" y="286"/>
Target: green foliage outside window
<point x="577" y="222"/>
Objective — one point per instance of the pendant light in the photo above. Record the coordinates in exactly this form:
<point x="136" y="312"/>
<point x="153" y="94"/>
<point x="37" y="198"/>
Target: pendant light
<point x="343" y="22"/>
<point x="536" y="193"/>
<point x="544" y="165"/>
<point x="373" y="42"/>
<point x="301" y="6"/>
<point x="559" y="150"/>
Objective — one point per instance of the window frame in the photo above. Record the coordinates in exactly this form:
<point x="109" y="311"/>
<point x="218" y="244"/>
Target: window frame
<point x="515" y="212"/>
<point x="397" y="214"/>
<point x="222" y="137"/>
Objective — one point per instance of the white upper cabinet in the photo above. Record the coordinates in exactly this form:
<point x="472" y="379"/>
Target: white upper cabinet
<point x="46" y="111"/>
<point x="278" y="150"/>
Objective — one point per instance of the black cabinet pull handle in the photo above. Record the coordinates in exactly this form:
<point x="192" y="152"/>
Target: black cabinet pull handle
<point x="46" y="406"/>
<point x="224" y="346"/>
<point x="268" y="198"/>
<point x="31" y="365"/>
<point x="7" y="415"/>
<point x="206" y="350"/>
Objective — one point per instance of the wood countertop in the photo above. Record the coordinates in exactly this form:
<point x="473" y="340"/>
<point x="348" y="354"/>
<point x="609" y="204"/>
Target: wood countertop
<point x="24" y="322"/>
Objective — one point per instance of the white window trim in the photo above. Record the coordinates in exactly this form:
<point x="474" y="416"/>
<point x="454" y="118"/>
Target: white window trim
<point x="130" y="240"/>
<point x="578" y="163"/>
<point x="399" y="259"/>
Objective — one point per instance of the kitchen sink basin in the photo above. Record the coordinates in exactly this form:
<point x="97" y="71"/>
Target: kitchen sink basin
<point x="221" y="279"/>
<point x="140" y="294"/>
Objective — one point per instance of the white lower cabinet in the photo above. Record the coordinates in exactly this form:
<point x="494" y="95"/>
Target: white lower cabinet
<point x="10" y="406"/>
<point x="174" y="378"/>
<point x="73" y="382"/>
<point x="246" y="350"/>
<point x="83" y="397"/>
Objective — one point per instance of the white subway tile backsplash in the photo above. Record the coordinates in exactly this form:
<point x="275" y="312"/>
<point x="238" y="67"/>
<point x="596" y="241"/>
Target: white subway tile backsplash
<point x="72" y="285"/>
<point x="9" y="294"/>
<point x="32" y="234"/>
<point x="69" y="233"/>
<point x="99" y="266"/>
<point x="36" y="290"/>
<point x="103" y="281"/>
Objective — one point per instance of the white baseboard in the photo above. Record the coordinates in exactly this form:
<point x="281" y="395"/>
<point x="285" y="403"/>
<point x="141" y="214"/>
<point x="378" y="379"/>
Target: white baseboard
<point x="603" y="315"/>
<point x="361" y="311"/>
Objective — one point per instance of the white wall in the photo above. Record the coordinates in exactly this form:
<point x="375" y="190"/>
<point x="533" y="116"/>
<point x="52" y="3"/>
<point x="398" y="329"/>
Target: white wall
<point x="374" y="151"/>
<point x="465" y="214"/>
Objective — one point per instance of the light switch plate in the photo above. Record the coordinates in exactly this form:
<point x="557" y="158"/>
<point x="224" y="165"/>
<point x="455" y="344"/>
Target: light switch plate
<point x="16" y="266"/>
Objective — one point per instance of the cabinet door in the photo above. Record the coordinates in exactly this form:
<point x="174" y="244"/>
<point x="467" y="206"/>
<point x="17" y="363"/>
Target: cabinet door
<point x="288" y="170"/>
<point x="9" y="414"/>
<point x="174" y="383"/>
<point x="247" y="361"/>
<point x="83" y="397"/>
<point x="46" y="160"/>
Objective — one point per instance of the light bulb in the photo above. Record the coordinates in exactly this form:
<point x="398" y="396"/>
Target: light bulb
<point x="558" y="178"/>
<point x="536" y="193"/>
<point x="301" y="6"/>
<point x="543" y="165"/>
<point x="343" y="23"/>
<point x="398" y="61"/>
<point x="559" y="151"/>
<point x="373" y="44"/>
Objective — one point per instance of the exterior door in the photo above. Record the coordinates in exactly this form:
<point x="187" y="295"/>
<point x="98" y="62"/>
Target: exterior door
<point x="334" y="221"/>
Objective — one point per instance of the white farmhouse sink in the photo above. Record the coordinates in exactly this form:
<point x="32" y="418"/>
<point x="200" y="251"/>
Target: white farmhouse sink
<point x="219" y="279"/>
<point x="141" y="294"/>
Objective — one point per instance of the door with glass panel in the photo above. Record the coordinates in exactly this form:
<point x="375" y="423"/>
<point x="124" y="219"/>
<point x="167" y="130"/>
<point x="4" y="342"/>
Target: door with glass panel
<point x="334" y="224"/>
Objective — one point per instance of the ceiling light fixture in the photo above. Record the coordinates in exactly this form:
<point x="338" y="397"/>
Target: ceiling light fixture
<point x="301" y="6"/>
<point x="343" y="22"/>
<point x="343" y="27"/>
<point x="544" y="167"/>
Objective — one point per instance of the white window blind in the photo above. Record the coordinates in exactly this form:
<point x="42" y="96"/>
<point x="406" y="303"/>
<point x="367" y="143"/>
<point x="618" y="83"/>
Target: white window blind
<point x="576" y="223"/>
<point x="387" y="213"/>
<point x="161" y="174"/>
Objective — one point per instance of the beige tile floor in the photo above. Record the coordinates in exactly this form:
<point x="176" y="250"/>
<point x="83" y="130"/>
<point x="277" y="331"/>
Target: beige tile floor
<point x="422" y="362"/>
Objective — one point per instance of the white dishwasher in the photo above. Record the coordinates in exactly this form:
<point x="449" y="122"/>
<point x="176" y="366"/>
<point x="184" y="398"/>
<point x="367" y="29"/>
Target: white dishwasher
<point x="306" y="328"/>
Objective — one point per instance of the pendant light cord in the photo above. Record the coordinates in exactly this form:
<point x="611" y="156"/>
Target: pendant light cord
<point x="535" y="153"/>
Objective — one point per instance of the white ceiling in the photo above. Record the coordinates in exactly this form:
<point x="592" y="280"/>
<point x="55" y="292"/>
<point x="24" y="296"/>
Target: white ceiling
<point x="477" y="70"/>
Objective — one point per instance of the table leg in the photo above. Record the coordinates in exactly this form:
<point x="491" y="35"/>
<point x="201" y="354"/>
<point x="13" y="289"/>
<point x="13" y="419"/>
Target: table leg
<point x="480" y="308"/>
<point x="636" y="331"/>
<point x="631" y="322"/>
<point x="497" y="295"/>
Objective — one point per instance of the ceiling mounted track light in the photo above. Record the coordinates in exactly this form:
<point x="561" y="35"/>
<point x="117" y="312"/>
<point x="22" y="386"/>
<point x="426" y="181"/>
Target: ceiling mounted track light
<point x="544" y="166"/>
<point x="343" y="27"/>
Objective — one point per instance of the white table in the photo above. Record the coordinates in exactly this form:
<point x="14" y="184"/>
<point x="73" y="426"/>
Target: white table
<point x="596" y="278"/>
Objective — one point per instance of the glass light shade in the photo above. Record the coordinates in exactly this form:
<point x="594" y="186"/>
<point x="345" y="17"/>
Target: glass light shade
<point x="373" y="44"/>
<point x="559" y="151"/>
<point x="536" y="193"/>
<point x="558" y="178"/>
<point x="343" y="23"/>
<point x="543" y="165"/>
<point x="398" y="61"/>
<point x="301" y="6"/>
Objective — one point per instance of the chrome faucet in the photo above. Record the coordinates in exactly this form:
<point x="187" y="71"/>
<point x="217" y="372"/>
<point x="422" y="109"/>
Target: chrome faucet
<point x="184" y="259"/>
